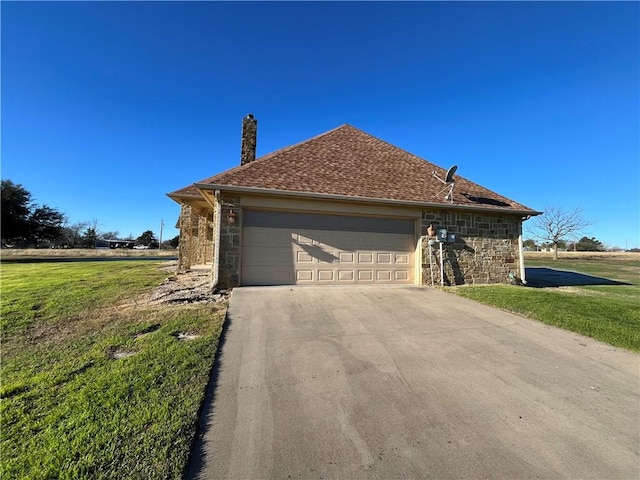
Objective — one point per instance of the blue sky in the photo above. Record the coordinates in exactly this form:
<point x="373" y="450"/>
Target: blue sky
<point x="107" y="106"/>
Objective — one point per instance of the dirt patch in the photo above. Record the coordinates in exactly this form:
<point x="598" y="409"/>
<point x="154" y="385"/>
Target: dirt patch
<point x="185" y="335"/>
<point x="194" y="286"/>
<point x="118" y="354"/>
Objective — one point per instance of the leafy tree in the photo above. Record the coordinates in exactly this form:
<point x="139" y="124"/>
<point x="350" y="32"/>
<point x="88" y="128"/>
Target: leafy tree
<point x="530" y="244"/>
<point x="555" y="225"/>
<point x="111" y="235"/>
<point x="16" y="208"/>
<point x="148" y="239"/>
<point x="589" y="245"/>
<point x="171" y="243"/>
<point x="90" y="237"/>
<point x="45" y="224"/>
<point x="24" y="221"/>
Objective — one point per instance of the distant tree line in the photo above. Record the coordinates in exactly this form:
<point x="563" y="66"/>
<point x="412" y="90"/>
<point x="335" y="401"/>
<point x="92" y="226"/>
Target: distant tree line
<point x="585" y="244"/>
<point x="26" y="224"/>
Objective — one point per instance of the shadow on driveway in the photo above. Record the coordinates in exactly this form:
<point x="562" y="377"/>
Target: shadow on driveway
<point x="540" y="277"/>
<point x="193" y="468"/>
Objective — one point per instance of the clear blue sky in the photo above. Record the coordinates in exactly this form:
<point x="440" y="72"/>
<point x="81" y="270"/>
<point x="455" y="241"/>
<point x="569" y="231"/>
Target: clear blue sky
<point x="108" y="106"/>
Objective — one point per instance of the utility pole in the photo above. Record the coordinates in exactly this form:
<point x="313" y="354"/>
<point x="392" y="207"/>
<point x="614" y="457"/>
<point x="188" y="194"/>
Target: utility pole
<point x="160" y="242"/>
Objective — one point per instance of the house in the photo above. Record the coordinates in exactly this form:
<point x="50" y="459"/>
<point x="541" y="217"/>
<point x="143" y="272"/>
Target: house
<point x="112" y="243"/>
<point x="345" y="207"/>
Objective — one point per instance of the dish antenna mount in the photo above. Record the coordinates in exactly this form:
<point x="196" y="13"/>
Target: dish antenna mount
<point x="449" y="183"/>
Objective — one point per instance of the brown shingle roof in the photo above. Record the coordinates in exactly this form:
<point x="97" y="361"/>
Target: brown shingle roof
<point x="349" y="162"/>
<point x="189" y="191"/>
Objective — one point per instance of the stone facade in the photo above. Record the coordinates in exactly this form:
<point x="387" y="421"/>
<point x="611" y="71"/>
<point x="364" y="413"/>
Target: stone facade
<point x="196" y="238"/>
<point x="229" y="261"/>
<point x="485" y="249"/>
<point x="203" y="246"/>
<point x="249" y="139"/>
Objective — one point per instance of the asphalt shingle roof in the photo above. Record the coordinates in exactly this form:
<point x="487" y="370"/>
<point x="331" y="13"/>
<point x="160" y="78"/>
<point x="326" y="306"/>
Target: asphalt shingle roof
<point x="349" y="162"/>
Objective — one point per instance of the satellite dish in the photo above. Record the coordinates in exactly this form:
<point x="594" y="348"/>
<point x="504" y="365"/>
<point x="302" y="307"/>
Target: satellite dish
<point x="449" y="183"/>
<point x="450" y="173"/>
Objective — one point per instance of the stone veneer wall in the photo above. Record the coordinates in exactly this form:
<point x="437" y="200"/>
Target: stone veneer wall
<point x="485" y="250"/>
<point x="196" y="238"/>
<point x="229" y="261"/>
<point x="185" y="223"/>
<point x="203" y="241"/>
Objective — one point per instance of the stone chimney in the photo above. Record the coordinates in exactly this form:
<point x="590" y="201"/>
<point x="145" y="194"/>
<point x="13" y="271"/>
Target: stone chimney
<point x="249" y="138"/>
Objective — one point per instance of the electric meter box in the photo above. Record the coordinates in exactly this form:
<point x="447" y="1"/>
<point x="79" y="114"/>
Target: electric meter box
<point x="441" y="235"/>
<point x="451" y="238"/>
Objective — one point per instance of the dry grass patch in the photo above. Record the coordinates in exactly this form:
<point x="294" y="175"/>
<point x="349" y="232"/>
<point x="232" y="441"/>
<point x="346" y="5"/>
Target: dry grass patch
<point x="44" y="253"/>
<point x="617" y="256"/>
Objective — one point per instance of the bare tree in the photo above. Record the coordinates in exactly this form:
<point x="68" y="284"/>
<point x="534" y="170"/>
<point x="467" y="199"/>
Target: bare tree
<point x="94" y="224"/>
<point x="556" y="225"/>
<point x="110" y="235"/>
<point x="72" y="234"/>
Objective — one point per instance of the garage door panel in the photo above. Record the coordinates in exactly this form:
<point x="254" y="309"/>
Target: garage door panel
<point x="268" y="256"/>
<point x="304" y="257"/>
<point x="401" y="275"/>
<point x="383" y="275"/>
<point x="365" y="275"/>
<point x="346" y="257"/>
<point x="346" y="240"/>
<point x="270" y="275"/>
<point x="326" y="238"/>
<point x="268" y="237"/>
<point x="365" y="242"/>
<point x="365" y="257"/>
<point x="345" y="275"/>
<point x="289" y="254"/>
<point x="383" y="258"/>
<point x="317" y="253"/>
<point x="326" y="275"/>
<point x="333" y="223"/>
<point x="304" y="275"/>
<point x="384" y="243"/>
<point x="304" y="239"/>
<point x="401" y="258"/>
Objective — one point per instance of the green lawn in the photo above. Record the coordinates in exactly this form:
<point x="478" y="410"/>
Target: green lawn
<point x="609" y="313"/>
<point x="69" y="408"/>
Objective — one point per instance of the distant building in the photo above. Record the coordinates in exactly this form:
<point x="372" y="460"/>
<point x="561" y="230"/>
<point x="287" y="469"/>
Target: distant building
<point x="103" y="244"/>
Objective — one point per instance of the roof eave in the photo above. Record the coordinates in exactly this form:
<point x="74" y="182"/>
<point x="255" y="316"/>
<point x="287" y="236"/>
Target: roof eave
<point x="386" y="201"/>
<point x="177" y="197"/>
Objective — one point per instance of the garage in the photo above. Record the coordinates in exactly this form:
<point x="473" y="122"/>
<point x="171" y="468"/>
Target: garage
<point x="287" y="248"/>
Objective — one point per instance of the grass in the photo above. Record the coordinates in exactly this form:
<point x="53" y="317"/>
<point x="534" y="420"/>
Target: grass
<point x="609" y="313"/>
<point x="71" y="408"/>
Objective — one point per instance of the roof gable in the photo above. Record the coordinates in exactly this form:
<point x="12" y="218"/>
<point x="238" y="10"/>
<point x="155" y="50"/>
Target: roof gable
<point x="351" y="163"/>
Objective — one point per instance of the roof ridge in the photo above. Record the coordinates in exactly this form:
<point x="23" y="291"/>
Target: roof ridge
<point x="267" y="156"/>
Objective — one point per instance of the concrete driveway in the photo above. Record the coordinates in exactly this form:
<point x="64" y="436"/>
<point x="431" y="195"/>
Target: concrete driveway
<point x="411" y="382"/>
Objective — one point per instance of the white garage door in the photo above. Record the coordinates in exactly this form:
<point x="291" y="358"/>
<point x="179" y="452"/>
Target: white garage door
<point x="293" y="248"/>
